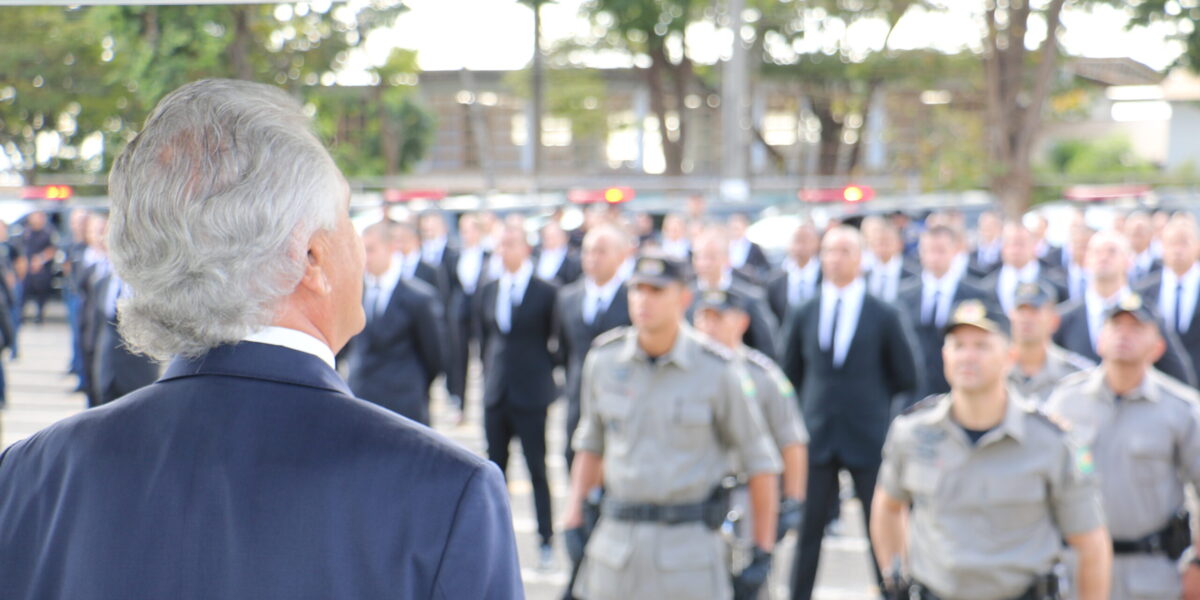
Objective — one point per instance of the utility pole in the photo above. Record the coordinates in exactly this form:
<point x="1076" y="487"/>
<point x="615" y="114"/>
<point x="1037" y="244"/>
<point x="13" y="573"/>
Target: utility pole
<point x="734" y="83"/>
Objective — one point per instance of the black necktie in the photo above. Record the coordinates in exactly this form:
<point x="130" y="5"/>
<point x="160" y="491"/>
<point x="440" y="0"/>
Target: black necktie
<point x="1177" y="322"/>
<point x="833" y="327"/>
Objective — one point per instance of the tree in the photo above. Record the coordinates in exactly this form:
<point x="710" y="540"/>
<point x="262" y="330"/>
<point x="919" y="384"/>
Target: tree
<point x="1017" y="84"/>
<point x="656" y="30"/>
<point x="53" y="91"/>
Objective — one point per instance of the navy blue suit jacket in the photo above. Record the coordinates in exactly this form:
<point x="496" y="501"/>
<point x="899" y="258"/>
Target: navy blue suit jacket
<point x="250" y="472"/>
<point x="399" y="353"/>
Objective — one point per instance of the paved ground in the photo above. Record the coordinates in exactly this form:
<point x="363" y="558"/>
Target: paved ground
<point x="39" y="393"/>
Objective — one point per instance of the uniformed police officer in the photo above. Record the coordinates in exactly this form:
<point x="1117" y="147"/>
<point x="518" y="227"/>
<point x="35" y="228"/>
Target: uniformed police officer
<point x="662" y="411"/>
<point x="724" y="317"/>
<point x="988" y="487"/>
<point x="1144" y="431"/>
<point x="1040" y="363"/>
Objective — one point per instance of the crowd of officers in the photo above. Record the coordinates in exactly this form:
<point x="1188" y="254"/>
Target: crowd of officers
<point x="1018" y="420"/>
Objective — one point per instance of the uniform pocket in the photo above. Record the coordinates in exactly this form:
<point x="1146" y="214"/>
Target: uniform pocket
<point x="1016" y="504"/>
<point x="920" y="480"/>
<point x="689" y="563"/>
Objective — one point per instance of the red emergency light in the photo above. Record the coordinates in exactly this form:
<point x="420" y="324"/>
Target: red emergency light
<point x="47" y="192"/>
<point x="610" y="195"/>
<point x="850" y="194"/>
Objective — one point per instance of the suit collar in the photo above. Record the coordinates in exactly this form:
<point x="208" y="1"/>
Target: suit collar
<point x="253" y="360"/>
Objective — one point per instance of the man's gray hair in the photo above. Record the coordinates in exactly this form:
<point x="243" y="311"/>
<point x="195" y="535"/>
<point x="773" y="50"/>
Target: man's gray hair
<point x="213" y="207"/>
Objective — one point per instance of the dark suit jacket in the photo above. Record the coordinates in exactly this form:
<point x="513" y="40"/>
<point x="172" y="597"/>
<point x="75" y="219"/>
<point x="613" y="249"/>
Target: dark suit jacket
<point x="848" y="408"/>
<point x="117" y="370"/>
<point x="397" y="355"/>
<point x="575" y="335"/>
<point x="761" y="334"/>
<point x="757" y="266"/>
<point x="977" y="268"/>
<point x="518" y="366"/>
<point x="929" y="338"/>
<point x="569" y="271"/>
<point x="447" y="273"/>
<point x="434" y="277"/>
<point x="777" y="294"/>
<point x="1073" y="334"/>
<point x="251" y="472"/>
<point x="461" y="311"/>
<point x="1189" y="340"/>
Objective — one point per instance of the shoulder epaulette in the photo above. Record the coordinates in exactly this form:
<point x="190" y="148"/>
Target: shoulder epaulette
<point x="1077" y="360"/>
<point x="1075" y="378"/>
<point x="1178" y="388"/>
<point x="610" y="336"/>
<point x="760" y="359"/>
<point x="927" y="403"/>
<point x="1040" y="415"/>
<point x="711" y="347"/>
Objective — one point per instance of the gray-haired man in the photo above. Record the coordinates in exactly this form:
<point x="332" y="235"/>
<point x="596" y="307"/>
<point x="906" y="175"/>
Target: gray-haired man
<point x="248" y="470"/>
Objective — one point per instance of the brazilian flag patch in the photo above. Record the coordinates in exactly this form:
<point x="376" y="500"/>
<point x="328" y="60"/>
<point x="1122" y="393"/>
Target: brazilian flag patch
<point x="748" y="389"/>
<point x="1084" y="461"/>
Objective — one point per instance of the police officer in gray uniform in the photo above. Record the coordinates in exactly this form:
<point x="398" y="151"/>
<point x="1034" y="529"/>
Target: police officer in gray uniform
<point x="724" y="316"/>
<point x="663" y="409"/>
<point x="987" y="486"/>
<point x="1041" y="364"/>
<point x="1144" y="431"/>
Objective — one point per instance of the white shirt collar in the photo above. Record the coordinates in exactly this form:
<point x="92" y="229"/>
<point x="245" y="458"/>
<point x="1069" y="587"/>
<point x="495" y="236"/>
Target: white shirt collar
<point x="549" y="262"/>
<point x="1170" y="279"/>
<point x="294" y="339"/>
<point x="518" y="281"/>
<point x="605" y="292"/>
<point x="944" y="284"/>
<point x="807" y="272"/>
<point x="386" y="282"/>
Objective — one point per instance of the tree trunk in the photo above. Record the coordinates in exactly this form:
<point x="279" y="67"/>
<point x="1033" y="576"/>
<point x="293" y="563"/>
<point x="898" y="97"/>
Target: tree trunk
<point x="655" y="76"/>
<point x="1014" y="109"/>
<point x="831" y="137"/>
<point x="239" y="49"/>
<point x="389" y="142"/>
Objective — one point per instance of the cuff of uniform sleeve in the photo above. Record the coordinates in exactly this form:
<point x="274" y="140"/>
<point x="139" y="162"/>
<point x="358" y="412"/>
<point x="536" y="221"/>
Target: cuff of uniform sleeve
<point x="1083" y="513"/>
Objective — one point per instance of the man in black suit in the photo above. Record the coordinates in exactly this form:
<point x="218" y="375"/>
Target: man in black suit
<point x="406" y="250"/>
<point x="249" y="470"/>
<point x="674" y="238"/>
<point x="928" y="301"/>
<point x="710" y="260"/>
<point x="800" y="277"/>
<point x="889" y="271"/>
<point x="589" y="307"/>
<point x="518" y="368"/>
<point x="1139" y="230"/>
<point x="1107" y="260"/>
<point x="744" y="255"/>
<point x="437" y="252"/>
<point x="470" y="273"/>
<point x="117" y="370"/>
<point x="985" y="257"/>
<point x="555" y="262"/>
<point x="1074" y="272"/>
<point x="1019" y="265"/>
<point x="1051" y="256"/>
<point x="1176" y="288"/>
<point x="847" y="354"/>
<point x="395" y="358"/>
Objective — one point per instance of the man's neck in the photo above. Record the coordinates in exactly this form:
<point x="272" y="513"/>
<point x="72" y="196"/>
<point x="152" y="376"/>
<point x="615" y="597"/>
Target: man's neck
<point x="1020" y="267"/>
<point x="1123" y="378"/>
<point x="1031" y="358"/>
<point x="841" y="285"/>
<point x="1107" y="288"/>
<point x="657" y="343"/>
<point x="981" y="410"/>
<point x="1181" y="270"/>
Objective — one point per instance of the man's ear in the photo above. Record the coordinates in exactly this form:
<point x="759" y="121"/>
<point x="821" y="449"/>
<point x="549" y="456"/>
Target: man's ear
<point x="315" y="278"/>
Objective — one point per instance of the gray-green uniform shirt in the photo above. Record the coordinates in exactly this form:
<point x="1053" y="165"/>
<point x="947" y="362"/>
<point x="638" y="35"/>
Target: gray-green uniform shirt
<point x="1146" y="446"/>
<point x="986" y="518"/>
<point x="776" y="399"/>
<point x="665" y="430"/>
<point x="1059" y="364"/>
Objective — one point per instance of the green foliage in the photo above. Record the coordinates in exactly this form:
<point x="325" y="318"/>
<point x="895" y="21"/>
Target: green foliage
<point x="1105" y="157"/>
<point x="576" y="94"/>
<point x="1184" y="16"/>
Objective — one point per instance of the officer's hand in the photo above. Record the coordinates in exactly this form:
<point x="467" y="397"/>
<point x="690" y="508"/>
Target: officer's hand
<point x="791" y="517"/>
<point x="575" y="541"/>
<point x="1191" y="582"/>
<point x="751" y="579"/>
<point x="572" y="519"/>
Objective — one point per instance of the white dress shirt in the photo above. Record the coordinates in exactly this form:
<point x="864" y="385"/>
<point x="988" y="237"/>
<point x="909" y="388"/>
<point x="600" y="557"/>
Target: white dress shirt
<point x="470" y="262"/>
<point x="1143" y="263"/>
<point x="510" y="293"/>
<point x="597" y="299"/>
<point x="1096" y="306"/>
<point x="1077" y="282"/>
<point x="739" y="251"/>
<point x="625" y="271"/>
<point x="1011" y="277"/>
<point x="944" y="290"/>
<point x="294" y="339"/>
<point x="885" y="278"/>
<point x="433" y="250"/>
<point x="1180" y="320"/>
<point x="960" y="264"/>
<point x="801" y="281"/>
<point x="677" y="248"/>
<point x="852" y="299"/>
<point x="381" y="288"/>
<point x="988" y="254"/>
<point x="549" y="262"/>
<point x="408" y="263"/>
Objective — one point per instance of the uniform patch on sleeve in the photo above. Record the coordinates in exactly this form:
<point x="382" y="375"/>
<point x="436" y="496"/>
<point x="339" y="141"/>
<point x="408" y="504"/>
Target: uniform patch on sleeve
<point x="1084" y="462"/>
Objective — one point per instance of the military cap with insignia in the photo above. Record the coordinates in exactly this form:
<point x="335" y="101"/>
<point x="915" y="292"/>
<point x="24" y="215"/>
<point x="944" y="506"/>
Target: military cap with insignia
<point x="721" y="300"/>
<point x="1033" y="294"/>
<point x="975" y="313"/>
<point x="1132" y="304"/>
<point x="658" y="269"/>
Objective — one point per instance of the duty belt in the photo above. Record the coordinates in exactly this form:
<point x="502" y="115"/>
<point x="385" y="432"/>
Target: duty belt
<point x="1044" y="588"/>
<point x="670" y="514"/>
<point x="1171" y="540"/>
